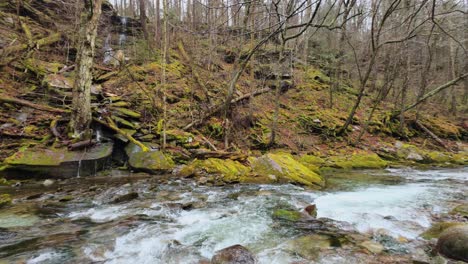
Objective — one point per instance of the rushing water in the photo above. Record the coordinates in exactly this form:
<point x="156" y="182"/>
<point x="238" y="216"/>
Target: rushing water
<point x="182" y="222"/>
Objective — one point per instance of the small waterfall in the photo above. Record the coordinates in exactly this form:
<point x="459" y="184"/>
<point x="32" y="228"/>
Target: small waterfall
<point x="98" y="134"/>
<point x="108" y="51"/>
<point x="123" y="35"/>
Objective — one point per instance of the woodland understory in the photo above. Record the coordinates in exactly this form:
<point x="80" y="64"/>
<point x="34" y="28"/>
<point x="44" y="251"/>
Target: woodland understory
<point x="233" y="79"/>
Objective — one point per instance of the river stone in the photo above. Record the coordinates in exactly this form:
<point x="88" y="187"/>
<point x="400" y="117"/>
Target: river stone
<point x="125" y="198"/>
<point x="311" y="210"/>
<point x="155" y="162"/>
<point x="5" y="200"/>
<point x="372" y="246"/>
<point x="57" y="162"/>
<point x="453" y="243"/>
<point x="236" y="254"/>
<point x="309" y="246"/>
<point x="286" y="169"/>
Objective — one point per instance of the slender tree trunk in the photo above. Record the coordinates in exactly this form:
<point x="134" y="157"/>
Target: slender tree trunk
<point x="144" y="27"/>
<point x="81" y="103"/>
<point x="163" y="81"/>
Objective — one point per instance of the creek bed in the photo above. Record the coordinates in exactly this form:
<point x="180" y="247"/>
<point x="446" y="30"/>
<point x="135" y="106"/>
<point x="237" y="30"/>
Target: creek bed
<point x="178" y="221"/>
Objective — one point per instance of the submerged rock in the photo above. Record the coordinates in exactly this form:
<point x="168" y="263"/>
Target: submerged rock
<point x="236" y="254"/>
<point x="155" y="162"/>
<point x="453" y="243"/>
<point x="125" y="198"/>
<point x="57" y="163"/>
<point x="309" y="246"/>
<point x="286" y="169"/>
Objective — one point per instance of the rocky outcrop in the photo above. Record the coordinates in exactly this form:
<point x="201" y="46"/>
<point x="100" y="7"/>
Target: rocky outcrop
<point x="453" y="243"/>
<point x="57" y="163"/>
<point x="154" y="162"/>
<point x="284" y="168"/>
<point x="236" y="254"/>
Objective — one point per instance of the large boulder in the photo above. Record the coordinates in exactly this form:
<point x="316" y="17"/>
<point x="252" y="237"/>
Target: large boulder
<point x="155" y="162"/>
<point x="57" y="162"/>
<point x="453" y="243"/>
<point x="309" y="246"/>
<point x="236" y="254"/>
<point x="284" y="168"/>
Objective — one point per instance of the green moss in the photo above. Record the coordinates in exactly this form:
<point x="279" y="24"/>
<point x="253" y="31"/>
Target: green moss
<point x="437" y="229"/>
<point x="357" y="161"/>
<point x="152" y="161"/>
<point x="324" y="121"/>
<point x="287" y="215"/>
<point x="182" y="138"/>
<point x="230" y="170"/>
<point x="285" y="168"/>
<point x="5" y="200"/>
<point x="312" y="162"/>
<point x="442" y="127"/>
<point x="460" y="158"/>
<point x="127" y="112"/>
<point x="40" y="67"/>
<point x="438" y="157"/>
<point x="462" y="209"/>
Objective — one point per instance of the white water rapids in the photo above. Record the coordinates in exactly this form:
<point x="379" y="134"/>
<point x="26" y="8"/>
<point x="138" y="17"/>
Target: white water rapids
<point x="243" y="215"/>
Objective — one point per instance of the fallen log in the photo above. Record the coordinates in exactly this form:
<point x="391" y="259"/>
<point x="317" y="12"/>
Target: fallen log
<point x="82" y="144"/>
<point x="220" y="107"/>
<point x="432" y="135"/>
<point x="55" y="37"/>
<point x="111" y="125"/>
<point x="8" y="99"/>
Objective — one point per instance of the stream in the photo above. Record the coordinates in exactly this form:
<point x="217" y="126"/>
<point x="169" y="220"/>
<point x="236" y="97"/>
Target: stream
<point x="151" y="219"/>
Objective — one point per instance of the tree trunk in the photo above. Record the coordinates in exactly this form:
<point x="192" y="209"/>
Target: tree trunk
<point x="144" y="27"/>
<point x="81" y="103"/>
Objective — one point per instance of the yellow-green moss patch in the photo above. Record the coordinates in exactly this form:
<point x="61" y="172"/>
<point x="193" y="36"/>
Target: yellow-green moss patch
<point x="285" y="168"/>
<point x="357" y="161"/>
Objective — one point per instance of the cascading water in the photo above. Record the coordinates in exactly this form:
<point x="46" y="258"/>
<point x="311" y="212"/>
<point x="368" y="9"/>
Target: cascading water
<point x="108" y="51"/>
<point x="123" y="35"/>
<point x="182" y="222"/>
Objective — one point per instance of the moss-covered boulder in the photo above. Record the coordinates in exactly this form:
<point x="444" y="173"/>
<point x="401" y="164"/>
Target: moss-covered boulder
<point x="453" y="243"/>
<point x="155" y="162"/>
<point x="309" y="246"/>
<point x="284" y="168"/>
<point x="437" y="228"/>
<point x="312" y="162"/>
<point x="5" y="200"/>
<point x="57" y="162"/>
<point x="182" y="138"/>
<point x="357" y="160"/>
<point x="287" y="215"/>
<point x="226" y="170"/>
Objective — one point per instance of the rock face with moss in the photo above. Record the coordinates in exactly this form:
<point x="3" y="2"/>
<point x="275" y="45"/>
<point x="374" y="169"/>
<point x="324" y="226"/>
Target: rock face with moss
<point x="284" y="168"/>
<point x="57" y="163"/>
<point x="5" y="200"/>
<point x="357" y="161"/>
<point x="155" y="162"/>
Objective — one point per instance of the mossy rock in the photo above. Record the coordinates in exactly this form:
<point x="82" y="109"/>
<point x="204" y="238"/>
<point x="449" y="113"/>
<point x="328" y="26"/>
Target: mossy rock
<point x="5" y="200"/>
<point x="453" y="243"/>
<point x="228" y="170"/>
<point x="285" y="168"/>
<point x="437" y="228"/>
<point x="155" y="162"/>
<point x="438" y="157"/>
<point x="309" y="246"/>
<point x="357" y="161"/>
<point x="127" y="112"/>
<point x="59" y="163"/>
<point x="461" y="209"/>
<point x="460" y="158"/>
<point x="182" y="138"/>
<point x="287" y="215"/>
<point x="312" y="162"/>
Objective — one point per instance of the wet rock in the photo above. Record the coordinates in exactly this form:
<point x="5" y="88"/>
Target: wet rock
<point x="437" y="229"/>
<point x="287" y="215"/>
<point x="5" y="200"/>
<point x="125" y="198"/>
<point x="66" y="198"/>
<point x="154" y="162"/>
<point x="236" y="254"/>
<point x="57" y="163"/>
<point x="311" y="210"/>
<point x="309" y="246"/>
<point x="47" y="183"/>
<point x="453" y="243"/>
<point x="226" y="170"/>
<point x="371" y="246"/>
<point x="286" y="169"/>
